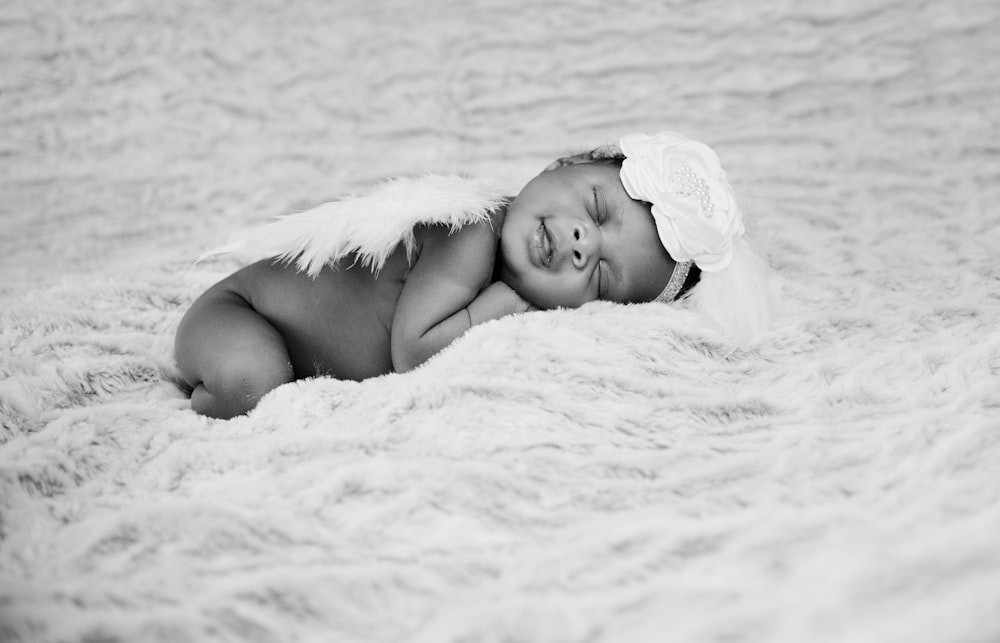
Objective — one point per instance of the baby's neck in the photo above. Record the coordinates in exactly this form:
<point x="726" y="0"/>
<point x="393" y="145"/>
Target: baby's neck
<point x="500" y="214"/>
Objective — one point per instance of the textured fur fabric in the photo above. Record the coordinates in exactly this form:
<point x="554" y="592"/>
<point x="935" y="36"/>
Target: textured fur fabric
<point x="601" y="475"/>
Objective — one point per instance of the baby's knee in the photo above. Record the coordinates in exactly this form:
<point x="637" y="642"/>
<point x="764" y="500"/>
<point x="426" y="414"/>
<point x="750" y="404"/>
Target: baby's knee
<point x="239" y="381"/>
<point x="254" y="376"/>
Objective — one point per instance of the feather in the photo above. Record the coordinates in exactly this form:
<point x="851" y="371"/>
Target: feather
<point x="369" y="227"/>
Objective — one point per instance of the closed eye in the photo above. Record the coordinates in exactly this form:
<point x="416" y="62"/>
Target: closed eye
<point x="599" y="212"/>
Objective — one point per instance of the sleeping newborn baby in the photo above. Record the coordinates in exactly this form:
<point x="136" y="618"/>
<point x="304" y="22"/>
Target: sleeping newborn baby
<point x="365" y="286"/>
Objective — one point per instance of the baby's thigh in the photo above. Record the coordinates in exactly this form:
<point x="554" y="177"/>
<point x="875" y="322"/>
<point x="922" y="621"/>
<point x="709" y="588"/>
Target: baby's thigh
<point x="222" y="338"/>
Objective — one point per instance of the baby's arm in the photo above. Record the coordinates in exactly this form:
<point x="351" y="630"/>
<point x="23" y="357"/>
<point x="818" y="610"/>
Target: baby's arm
<point x="447" y="291"/>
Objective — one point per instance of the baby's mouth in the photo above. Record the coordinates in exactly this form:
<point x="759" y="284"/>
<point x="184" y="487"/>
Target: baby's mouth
<point x="544" y="245"/>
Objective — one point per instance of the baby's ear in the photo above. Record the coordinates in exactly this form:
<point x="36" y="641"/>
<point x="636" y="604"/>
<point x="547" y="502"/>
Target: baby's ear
<point x="582" y="157"/>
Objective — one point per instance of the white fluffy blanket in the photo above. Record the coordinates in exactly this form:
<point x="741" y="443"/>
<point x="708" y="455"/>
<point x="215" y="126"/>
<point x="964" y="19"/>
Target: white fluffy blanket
<point x="606" y="474"/>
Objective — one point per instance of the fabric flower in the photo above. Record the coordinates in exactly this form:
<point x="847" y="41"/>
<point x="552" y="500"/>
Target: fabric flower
<point x="694" y="208"/>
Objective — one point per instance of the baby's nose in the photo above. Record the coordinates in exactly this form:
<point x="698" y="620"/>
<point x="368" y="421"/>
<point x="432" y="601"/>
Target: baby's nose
<point x="583" y="244"/>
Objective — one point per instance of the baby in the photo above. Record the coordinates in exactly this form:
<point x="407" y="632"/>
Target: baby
<point x="651" y="220"/>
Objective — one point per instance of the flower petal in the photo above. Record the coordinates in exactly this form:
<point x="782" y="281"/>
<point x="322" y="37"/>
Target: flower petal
<point x="694" y="208"/>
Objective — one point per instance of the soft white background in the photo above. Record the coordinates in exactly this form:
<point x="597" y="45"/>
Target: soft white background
<point x="604" y="474"/>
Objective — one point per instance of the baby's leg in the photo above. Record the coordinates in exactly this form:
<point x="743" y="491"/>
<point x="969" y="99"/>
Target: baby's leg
<point x="229" y="354"/>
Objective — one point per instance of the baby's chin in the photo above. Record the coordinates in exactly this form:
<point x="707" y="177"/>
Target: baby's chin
<point x="537" y="298"/>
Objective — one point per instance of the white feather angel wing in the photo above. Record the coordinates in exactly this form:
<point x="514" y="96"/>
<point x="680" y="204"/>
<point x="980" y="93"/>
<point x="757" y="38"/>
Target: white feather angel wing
<point x="369" y="226"/>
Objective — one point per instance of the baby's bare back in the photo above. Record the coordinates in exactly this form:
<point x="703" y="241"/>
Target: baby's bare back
<point x="337" y="324"/>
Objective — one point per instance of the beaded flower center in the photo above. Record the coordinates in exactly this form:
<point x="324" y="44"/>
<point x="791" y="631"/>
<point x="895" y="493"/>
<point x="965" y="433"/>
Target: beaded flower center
<point x="689" y="185"/>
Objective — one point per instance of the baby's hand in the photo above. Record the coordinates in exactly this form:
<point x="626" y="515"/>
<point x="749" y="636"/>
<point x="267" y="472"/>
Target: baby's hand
<point x="517" y="303"/>
<point x="495" y="301"/>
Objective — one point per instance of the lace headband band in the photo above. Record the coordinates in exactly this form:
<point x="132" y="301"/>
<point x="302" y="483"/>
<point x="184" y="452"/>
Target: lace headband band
<point x="677" y="279"/>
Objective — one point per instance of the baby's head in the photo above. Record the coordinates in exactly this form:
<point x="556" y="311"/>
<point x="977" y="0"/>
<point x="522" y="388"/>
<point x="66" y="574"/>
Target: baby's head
<point x="652" y="219"/>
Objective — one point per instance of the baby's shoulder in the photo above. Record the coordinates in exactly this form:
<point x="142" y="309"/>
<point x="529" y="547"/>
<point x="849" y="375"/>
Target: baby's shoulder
<point x="477" y="236"/>
<point x="470" y="249"/>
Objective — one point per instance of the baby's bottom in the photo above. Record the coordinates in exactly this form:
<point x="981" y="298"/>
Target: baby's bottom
<point x="229" y="354"/>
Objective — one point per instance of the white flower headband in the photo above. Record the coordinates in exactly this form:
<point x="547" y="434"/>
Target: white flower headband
<point x="695" y="211"/>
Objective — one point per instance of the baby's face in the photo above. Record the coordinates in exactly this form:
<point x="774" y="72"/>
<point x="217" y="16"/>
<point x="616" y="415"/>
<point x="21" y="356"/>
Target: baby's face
<point x="574" y="235"/>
